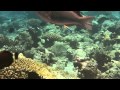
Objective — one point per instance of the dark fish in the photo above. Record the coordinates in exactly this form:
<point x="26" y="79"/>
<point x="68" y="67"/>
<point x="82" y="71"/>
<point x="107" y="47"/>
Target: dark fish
<point x="6" y="59"/>
<point x="67" y="18"/>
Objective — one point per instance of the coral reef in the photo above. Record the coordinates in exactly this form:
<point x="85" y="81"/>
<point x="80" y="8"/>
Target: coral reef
<point x="21" y="67"/>
<point x="52" y="51"/>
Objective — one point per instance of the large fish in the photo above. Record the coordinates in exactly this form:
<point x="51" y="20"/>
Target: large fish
<point x="67" y="18"/>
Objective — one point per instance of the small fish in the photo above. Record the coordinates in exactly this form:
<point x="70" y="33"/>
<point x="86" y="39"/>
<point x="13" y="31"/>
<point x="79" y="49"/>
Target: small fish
<point x="66" y="18"/>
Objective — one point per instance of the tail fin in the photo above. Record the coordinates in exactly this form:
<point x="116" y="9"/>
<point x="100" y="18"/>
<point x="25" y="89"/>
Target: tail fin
<point x="87" y="22"/>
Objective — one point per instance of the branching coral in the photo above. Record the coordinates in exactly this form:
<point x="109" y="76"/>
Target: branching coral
<point x="50" y="38"/>
<point x="4" y="40"/>
<point x="45" y="56"/>
<point x="113" y="72"/>
<point x="34" y="22"/>
<point x="25" y="39"/>
<point x="101" y="56"/>
<point x="16" y="48"/>
<point x="115" y="28"/>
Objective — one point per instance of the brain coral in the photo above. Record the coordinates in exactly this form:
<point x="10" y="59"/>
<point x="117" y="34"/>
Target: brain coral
<point x="21" y="66"/>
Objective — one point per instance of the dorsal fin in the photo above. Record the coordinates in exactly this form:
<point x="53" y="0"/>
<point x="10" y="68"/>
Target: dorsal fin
<point x="78" y="13"/>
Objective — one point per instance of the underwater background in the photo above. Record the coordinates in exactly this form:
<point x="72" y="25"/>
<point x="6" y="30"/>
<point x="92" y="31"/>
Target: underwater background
<point x="50" y="51"/>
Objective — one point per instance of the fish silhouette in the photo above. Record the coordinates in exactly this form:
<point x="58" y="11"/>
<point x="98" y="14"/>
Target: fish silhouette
<point x="6" y="59"/>
<point x="67" y="18"/>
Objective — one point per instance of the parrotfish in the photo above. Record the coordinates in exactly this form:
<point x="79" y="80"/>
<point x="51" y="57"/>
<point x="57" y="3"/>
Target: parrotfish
<point x="67" y="18"/>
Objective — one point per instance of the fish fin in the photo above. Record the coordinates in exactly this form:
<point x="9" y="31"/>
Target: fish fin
<point x="78" y="13"/>
<point x="87" y="22"/>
